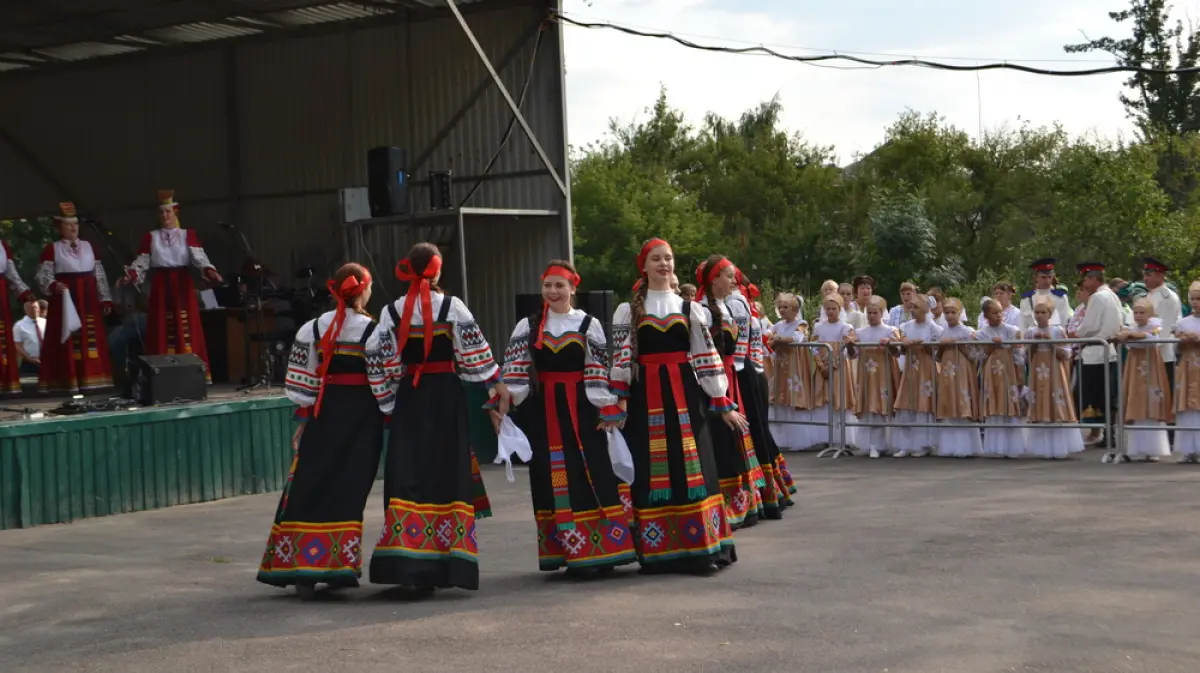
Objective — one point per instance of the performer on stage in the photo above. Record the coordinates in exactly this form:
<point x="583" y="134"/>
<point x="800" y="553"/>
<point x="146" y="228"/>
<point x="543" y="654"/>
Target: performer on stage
<point x="556" y="368"/>
<point x="75" y="355"/>
<point x="10" y="281"/>
<point x="317" y="537"/>
<point x="669" y="374"/>
<point x="1044" y="288"/>
<point x="425" y="343"/>
<point x="173" y="316"/>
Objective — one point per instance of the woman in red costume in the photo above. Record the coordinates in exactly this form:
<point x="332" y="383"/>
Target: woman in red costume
<point x="75" y="354"/>
<point x="173" y="319"/>
<point x="10" y="280"/>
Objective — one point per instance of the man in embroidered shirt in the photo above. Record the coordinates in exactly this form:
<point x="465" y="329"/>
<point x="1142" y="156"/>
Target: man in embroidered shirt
<point x="1102" y="321"/>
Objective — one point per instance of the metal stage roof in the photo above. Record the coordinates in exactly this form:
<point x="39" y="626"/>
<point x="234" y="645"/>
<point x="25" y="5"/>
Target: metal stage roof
<point x="46" y="33"/>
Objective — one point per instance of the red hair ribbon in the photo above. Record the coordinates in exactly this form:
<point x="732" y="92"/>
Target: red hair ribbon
<point x="704" y="275"/>
<point x="645" y="252"/>
<point x="572" y="278"/>
<point x="351" y="287"/>
<point x="418" y="288"/>
<point x="753" y="293"/>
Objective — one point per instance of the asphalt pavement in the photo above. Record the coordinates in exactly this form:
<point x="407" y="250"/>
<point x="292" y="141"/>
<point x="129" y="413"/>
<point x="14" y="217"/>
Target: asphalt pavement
<point x="897" y="566"/>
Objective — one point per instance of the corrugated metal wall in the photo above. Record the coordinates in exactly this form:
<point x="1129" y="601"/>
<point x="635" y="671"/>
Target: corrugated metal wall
<point x="307" y="110"/>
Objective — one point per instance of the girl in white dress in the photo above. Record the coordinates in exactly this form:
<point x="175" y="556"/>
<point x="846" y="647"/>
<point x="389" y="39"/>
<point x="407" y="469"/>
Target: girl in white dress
<point x="1050" y="398"/>
<point x="1003" y="378"/>
<point x="878" y="379"/>
<point x="838" y="334"/>
<point x="1144" y="387"/>
<point x="915" y="402"/>
<point x="791" y="380"/>
<point x="958" y="386"/>
<point x="1187" y="381"/>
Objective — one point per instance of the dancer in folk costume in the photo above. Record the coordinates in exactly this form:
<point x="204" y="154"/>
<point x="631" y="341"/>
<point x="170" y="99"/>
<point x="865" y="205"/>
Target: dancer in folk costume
<point x="1003" y="379"/>
<point x="733" y="447"/>
<point x="75" y="355"/>
<point x="957" y="386"/>
<point x="433" y="493"/>
<point x="1187" y="381"/>
<point x="915" y="401"/>
<point x="317" y="537"/>
<point x="669" y="376"/>
<point x="791" y="380"/>
<point x="10" y="281"/>
<point x="756" y="393"/>
<point x="556" y="369"/>
<point x="878" y="379"/>
<point x="167" y="255"/>
<point x="1050" y="398"/>
<point x="1145" y="387"/>
<point x="841" y="337"/>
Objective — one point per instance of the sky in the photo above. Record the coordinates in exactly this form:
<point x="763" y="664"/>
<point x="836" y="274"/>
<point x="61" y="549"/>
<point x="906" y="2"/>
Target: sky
<point x="612" y="75"/>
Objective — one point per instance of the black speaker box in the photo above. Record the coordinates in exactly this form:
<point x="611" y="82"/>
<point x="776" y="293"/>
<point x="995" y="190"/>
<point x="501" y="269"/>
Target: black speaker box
<point x="162" y="379"/>
<point x="387" y="181"/>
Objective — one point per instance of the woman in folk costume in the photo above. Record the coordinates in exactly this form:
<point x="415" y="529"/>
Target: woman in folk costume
<point x="75" y="354"/>
<point x="1145" y="388"/>
<point x="733" y="447"/>
<point x="915" y="399"/>
<point x="957" y="385"/>
<point x="10" y="280"/>
<point x="669" y="376"/>
<point x="556" y="369"/>
<point x="1187" y="381"/>
<point x="1002" y="377"/>
<point x="425" y="343"/>
<point x="317" y="537"/>
<point x="833" y="370"/>
<point x="791" y="380"/>
<point x="1050" y="398"/>
<point x="878" y="379"/>
<point x="166" y="254"/>
<point x="756" y="392"/>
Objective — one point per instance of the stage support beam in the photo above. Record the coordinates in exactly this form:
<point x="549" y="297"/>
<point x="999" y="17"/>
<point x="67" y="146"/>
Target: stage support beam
<point x="512" y="104"/>
<point x="477" y="93"/>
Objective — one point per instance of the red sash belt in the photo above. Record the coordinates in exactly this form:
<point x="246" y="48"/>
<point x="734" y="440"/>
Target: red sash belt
<point x="653" y="365"/>
<point x="559" y="483"/>
<point x="734" y="392"/>
<point x="415" y="371"/>
<point x="345" y="380"/>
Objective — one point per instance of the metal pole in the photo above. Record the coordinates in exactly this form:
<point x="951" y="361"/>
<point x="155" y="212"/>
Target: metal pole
<point x="512" y="104"/>
<point x="462" y="255"/>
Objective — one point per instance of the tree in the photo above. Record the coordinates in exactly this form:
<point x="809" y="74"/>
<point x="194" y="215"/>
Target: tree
<point x="1161" y="103"/>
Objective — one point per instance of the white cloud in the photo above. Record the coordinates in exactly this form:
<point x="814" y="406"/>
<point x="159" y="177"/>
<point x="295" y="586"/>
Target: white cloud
<point x="610" y="74"/>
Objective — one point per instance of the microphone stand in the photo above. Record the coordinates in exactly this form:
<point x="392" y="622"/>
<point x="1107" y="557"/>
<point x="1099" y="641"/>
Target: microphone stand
<point x="258" y="379"/>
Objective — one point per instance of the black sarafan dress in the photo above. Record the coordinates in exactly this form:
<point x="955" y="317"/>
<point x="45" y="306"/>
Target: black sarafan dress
<point x="433" y="491"/>
<point x="317" y="536"/>
<point x="562" y="392"/>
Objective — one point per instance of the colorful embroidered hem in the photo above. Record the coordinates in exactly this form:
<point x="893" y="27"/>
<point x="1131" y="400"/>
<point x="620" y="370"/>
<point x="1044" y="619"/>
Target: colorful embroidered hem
<point x="327" y="553"/>
<point x="425" y="531"/>
<point x="600" y="538"/>
<point x="682" y="531"/>
<point x="483" y="506"/>
<point x="742" y="499"/>
<point x="721" y="405"/>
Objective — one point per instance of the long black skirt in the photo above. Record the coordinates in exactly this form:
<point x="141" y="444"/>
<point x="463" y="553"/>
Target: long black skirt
<point x="431" y="490"/>
<point x="318" y="531"/>
<point x="685" y="534"/>
<point x="778" y="487"/>
<point x="594" y="530"/>
<point x="740" y="481"/>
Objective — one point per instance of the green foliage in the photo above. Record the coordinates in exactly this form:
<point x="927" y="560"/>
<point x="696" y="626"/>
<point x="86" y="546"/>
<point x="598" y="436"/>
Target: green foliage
<point x="929" y="204"/>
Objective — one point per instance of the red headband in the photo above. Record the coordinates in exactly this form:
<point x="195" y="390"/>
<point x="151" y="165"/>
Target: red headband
<point x="418" y="288"/>
<point x="572" y="278"/>
<point x="351" y="287"/>
<point x="645" y="252"/>
<point x="705" y="275"/>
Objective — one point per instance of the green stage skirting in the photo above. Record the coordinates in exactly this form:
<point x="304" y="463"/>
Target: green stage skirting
<point x="68" y="468"/>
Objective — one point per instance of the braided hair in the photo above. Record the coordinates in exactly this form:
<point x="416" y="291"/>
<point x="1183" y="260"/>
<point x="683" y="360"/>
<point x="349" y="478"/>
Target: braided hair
<point x="715" y="326"/>
<point x="637" y="311"/>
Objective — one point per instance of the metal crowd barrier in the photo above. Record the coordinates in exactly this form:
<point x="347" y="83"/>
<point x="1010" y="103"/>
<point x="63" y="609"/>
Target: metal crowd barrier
<point x="841" y="448"/>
